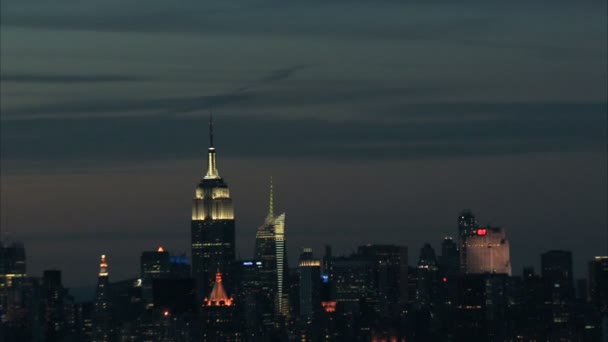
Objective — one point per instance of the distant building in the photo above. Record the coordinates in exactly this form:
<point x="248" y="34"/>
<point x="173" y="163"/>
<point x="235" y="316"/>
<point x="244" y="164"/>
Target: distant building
<point x="389" y="275"/>
<point x="12" y="263"/>
<point x="270" y="249"/>
<point x="103" y="328"/>
<point x="309" y="270"/>
<point x="213" y="235"/>
<point x="486" y="251"/>
<point x="218" y="312"/>
<point x="558" y="292"/>
<point x="153" y="265"/>
<point x="598" y="283"/>
<point x="449" y="261"/>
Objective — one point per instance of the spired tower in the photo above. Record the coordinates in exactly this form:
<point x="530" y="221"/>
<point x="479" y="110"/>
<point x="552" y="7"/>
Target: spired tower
<point x="213" y="229"/>
<point x="103" y="329"/>
<point x="271" y="250"/>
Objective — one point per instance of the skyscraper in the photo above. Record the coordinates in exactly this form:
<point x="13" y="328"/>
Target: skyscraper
<point x="558" y="290"/>
<point x="153" y="265"/>
<point x="270" y="249"/>
<point x="213" y="236"/>
<point x="467" y="223"/>
<point x="598" y="283"/>
<point x="218" y="312"/>
<point x="102" y="315"/>
<point x="486" y="251"/>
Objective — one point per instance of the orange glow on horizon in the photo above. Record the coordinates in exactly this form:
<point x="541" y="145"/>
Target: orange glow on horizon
<point x="160" y="249"/>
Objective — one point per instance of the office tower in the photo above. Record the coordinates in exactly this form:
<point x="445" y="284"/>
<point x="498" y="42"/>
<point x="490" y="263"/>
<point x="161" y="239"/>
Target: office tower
<point x="486" y="251"/>
<point x="153" y="265"/>
<point x="12" y="269"/>
<point x="12" y="263"/>
<point x="254" y="307"/>
<point x="598" y="283"/>
<point x="309" y="270"/>
<point x="271" y="250"/>
<point x="449" y="260"/>
<point x="531" y="318"/>
<point x="467" y="224"/>
<point x="218" y="312"/>
<point x="53" y="303"/>
<point x="103" y="329"/>
<point x="390" y="275"/>
<point x="558" y="289"/>
<point x="213" y="236"/>
<point x="310" y="281"/>
<point x="481" y="307"/>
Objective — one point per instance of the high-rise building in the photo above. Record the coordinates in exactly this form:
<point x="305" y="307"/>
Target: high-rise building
<point x="598" y="283"/>
<point x="310" y="282"/>
<point x="390" y="275"/>
<point x="103" y="329"/>
<point x="309" y="270"/>
<point x="558" y="292"/>
<point x="218" y="312"/>
<point x="213" y="235"/>
<point x="486" y="251"/>
<point x="153" y="265"/>
<point x="12" y="263"/>
<point x="449" y="260"/>
<point x="467" y="223"/>
<point x="270" y="249"/>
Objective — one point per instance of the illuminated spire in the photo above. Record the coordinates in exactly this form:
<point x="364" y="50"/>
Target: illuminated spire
<point x="218" y="296"/>
<point x="212" y="172"/>
<point x="271" y="202"/>
<point x="103" y="266"/>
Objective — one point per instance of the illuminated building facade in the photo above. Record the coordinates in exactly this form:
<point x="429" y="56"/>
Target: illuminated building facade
<point x="486" y="250"/>
<point x="218" y="311"/>
<point x="213" y="228"/>
<point x="271" y="250"/>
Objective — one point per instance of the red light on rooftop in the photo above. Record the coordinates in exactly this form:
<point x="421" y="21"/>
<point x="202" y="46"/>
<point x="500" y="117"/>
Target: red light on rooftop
<point x="160" y="249"/>
<point x="482" y="231"/>
<point x="166" y="313"/>
<point x="445" y="280"/>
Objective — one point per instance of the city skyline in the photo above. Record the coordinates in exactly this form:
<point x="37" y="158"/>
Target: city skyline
<point x="428" y="108"/>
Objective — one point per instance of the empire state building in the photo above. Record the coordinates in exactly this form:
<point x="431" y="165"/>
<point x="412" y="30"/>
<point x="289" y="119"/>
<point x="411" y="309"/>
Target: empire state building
<point x="213" y="236"/>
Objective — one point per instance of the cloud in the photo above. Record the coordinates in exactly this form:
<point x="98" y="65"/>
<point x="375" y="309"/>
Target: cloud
<point x="64" y="78"/>
<point x="514" y="129"/>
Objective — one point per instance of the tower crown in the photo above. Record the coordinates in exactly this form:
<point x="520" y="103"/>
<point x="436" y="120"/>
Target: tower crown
<point x="212" y="172"/>
<point x="218" y="296"/>
<point x="103" y="266"/>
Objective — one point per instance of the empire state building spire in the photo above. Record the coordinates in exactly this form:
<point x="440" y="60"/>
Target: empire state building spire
<point x="212" y="172"/>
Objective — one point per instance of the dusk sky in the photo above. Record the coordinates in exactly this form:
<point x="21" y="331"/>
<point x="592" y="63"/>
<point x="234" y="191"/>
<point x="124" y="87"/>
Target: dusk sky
<point x="379" y="121"/>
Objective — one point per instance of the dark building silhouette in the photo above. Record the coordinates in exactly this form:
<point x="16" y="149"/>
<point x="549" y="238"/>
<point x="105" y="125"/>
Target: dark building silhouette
<point x="558" y="292"/>
<point x="153" y="265"/>
<point x="103" y="325"/>
<point x="213" y="227"/>
<point x="449" y="260"/>
<point x="598" y="283"/>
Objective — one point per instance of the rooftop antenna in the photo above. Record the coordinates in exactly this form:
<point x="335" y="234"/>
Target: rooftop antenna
<point x="210" y="128"/>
